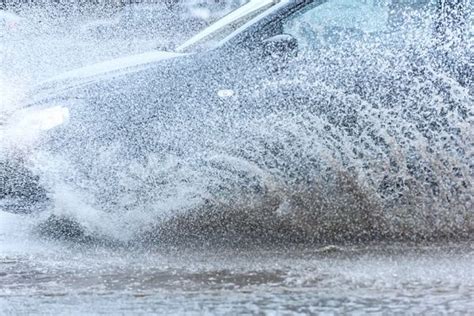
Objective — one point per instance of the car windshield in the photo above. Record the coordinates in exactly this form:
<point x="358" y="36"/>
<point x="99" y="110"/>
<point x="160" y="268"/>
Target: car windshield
<point x="212" y="35"/>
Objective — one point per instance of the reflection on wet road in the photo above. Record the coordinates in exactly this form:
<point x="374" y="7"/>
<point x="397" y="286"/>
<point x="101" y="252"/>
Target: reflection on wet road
<point x="61" y="278"/>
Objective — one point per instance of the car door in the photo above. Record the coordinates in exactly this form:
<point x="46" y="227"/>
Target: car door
<point x="338" y="42"/>
<point x="347" y="50"/>
<point x="281" y="79"/>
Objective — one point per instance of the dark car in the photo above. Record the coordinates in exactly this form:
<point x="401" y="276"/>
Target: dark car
<point x="177" y="103"/>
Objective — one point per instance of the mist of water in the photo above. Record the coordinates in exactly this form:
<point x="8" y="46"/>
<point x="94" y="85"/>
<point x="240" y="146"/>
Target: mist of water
<point x="358" y="142"/>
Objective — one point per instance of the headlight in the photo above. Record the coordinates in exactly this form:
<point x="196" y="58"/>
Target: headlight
<point x="43" y="119"/>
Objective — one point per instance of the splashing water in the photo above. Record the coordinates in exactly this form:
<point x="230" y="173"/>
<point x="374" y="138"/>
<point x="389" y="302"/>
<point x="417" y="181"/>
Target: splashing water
<point x="354" y="142"/>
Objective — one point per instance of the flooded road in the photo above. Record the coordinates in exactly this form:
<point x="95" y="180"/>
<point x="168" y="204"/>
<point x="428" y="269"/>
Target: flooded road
<point x="51" y="277"/>
<point x="384" y="164"/>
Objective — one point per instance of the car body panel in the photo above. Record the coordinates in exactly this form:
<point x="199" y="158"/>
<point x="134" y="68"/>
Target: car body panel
<point x="111" y="67"/>
<point x="94" y="73"/>
<point x="134" y="99"/>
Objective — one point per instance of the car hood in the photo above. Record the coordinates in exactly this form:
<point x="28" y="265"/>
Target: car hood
<point x="99" y="72"/>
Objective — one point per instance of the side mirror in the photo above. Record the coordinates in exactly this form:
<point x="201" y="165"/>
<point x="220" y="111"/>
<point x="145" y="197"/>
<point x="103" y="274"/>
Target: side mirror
<point x="281" y="47"/>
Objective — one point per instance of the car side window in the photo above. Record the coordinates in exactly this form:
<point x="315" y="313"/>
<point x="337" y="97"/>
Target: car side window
<point x="335" y="20"/>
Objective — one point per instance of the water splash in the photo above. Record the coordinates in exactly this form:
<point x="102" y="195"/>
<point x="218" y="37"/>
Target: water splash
<point x="358" y="142"/>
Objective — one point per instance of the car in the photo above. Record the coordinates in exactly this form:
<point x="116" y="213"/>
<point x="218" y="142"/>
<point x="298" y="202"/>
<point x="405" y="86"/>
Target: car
<point x="176" y="105"/>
